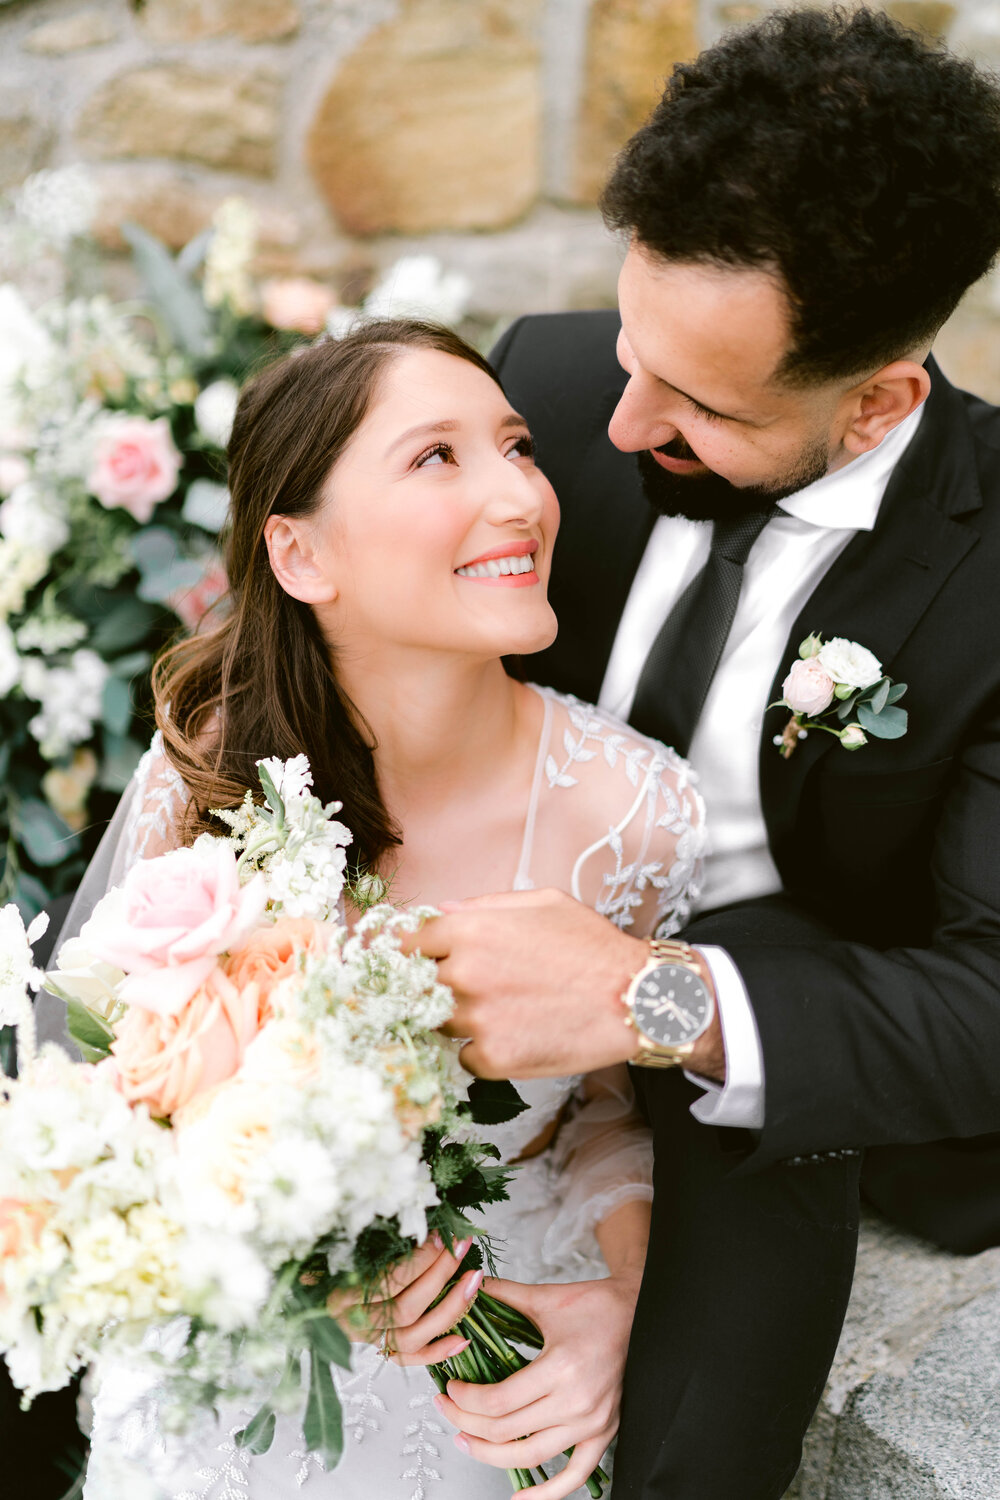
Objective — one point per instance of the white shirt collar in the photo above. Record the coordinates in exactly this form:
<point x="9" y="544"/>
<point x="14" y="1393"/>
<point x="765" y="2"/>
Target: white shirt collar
<point x="849" y="499"/>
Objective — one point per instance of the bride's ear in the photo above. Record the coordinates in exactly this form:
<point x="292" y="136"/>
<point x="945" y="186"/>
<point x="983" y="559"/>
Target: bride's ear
<point x="295" y="560"/>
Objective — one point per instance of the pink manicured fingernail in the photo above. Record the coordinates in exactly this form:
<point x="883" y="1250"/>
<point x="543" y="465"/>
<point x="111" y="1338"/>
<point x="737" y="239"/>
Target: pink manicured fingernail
<point x="461" y="1250"/>
<point x="461" y="1442"/>
<point x="437" y="1240"/>
<point x="459" y="1346"/>
<point x="439" y="1403"/>
<point x="471" y="1284"/>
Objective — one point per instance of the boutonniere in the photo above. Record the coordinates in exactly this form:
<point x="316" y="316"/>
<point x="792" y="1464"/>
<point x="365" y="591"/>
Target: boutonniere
<point x="842" y="683"/>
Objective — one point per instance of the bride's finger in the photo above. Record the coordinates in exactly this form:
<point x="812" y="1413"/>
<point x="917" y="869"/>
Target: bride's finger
<point x="522" y="1453"/>
<point x="430" y="1258"/>
<point x="430" y="1354"/>
<point x="503" y="1429"/>
<point x="403" y="1310"/>
<point x="411" y="1338"/>
<point x="586" y="1457"/>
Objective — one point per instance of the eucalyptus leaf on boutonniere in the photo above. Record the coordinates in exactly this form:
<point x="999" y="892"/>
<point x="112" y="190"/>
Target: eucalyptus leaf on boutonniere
<point x="839" y="687"/>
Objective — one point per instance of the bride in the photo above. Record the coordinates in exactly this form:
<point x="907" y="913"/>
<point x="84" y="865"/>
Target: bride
<point x="391" y="540"/>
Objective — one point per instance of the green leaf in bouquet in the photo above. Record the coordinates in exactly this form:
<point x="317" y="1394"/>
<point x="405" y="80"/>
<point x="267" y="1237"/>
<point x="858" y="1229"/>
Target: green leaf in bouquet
<point x="174" y="296"/>
<point x="890" y="724"/>
<point x="896" y="692"/>
<point x="323" y="1428"/>
<point x="131" y="664"/>
<point x="329" y="1341"/>
<point x="43" y="833"/>
<point x="90" y="1031"/>
<point x="121" y="756"/>
<point x="127" y="623"/>
<point x="845" y="708"/>
<point x="271" y="795"/>
<point x="116" y="705"/>
<point x="30" y="895"/>
<point x="258" y="1435"/>
<point x="451" y="1224"/>
<point x="494" y="1101"/>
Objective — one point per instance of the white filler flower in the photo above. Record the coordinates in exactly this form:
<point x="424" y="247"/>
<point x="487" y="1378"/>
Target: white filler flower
<point x="17" y="972"/>
<point x="214" y="409"/>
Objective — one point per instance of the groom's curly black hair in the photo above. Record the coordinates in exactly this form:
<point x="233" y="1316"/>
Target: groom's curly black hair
<point x="855" y="158"/>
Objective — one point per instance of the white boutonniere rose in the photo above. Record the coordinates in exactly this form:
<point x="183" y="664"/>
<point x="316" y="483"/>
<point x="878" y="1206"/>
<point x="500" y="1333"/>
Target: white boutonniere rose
<point x="841" y="682"/>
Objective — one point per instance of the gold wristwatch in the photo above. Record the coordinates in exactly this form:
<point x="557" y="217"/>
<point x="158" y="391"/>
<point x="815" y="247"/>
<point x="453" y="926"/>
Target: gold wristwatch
<point x="670" y="1003"/>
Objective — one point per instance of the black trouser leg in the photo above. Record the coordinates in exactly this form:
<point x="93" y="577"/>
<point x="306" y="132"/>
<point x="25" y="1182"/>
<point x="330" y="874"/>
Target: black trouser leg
<point x="41" y="1450"/>
<point x="946" y="1191"/>
<point x="742" y="1302"/>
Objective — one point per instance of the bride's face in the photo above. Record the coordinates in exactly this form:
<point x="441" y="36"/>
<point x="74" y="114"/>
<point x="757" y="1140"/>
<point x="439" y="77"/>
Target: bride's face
<point x="436" y="529"/>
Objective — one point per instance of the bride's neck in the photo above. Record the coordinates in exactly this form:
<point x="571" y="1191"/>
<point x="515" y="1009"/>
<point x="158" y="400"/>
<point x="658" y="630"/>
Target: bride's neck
<point x="440" y="723"/>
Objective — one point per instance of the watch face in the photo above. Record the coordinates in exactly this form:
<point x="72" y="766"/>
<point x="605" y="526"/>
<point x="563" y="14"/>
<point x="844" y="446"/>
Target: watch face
<point x="672" y="1006"/>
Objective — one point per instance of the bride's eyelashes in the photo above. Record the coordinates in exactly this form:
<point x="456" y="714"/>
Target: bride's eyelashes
<point x="524" y="446"/>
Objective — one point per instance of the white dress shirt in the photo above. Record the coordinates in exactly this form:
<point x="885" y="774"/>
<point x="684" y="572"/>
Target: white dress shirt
<point x="785" y="566"/>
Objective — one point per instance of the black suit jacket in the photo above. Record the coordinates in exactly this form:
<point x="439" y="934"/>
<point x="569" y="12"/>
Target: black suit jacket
<point x="878" y="999"/>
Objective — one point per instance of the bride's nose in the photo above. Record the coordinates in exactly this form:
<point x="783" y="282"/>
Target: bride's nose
<point x="513" y="499"/>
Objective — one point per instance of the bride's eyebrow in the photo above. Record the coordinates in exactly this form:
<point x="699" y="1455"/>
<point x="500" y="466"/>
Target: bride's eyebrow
<point x="431" y="429"/>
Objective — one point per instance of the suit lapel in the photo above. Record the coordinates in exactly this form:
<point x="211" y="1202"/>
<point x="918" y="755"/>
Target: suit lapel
<point x="882" y="584"/>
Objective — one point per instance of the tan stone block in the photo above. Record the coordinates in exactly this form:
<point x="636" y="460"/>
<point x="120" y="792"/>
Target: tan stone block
<point x="433" y="122"/>
<point x="632" y="46"/>
<point x="193" y="20"/>
<point x="84" y="28"/>
<point x="932" y="17"/>
<point x="172" y="204"/>
<point x="25" y="142"/>
<point x="227" y="120"/>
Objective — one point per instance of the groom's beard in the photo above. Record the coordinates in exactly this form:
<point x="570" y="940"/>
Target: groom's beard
<point x="709" y="497"/>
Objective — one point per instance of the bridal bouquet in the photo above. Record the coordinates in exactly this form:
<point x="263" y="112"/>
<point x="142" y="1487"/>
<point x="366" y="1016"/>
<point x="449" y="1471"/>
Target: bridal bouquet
<point x="267" y="1115"/>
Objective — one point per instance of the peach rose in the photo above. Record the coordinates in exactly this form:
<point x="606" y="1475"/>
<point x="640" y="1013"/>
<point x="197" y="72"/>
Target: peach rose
<point x="21" y="1226"/>
<point x="268" y="956"/>
<point x="297" y="303"/>
<point x="808" y="689"/>
<point x="165" y="1060"/>
<point x="135" y="464"/>
<point x="169" y="921"/>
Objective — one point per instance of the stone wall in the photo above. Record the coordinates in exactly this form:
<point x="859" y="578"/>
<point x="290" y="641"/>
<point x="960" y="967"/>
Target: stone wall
<point x="481" y="129"/>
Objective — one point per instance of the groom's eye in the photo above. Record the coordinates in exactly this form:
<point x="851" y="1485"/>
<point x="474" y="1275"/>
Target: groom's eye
<point x="441" y="452"/>
<point x="704" y="411"/>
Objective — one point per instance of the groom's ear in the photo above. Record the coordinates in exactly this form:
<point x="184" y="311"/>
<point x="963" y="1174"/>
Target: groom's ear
<point x="882" y="401"/>
<point x="295" y="560"/>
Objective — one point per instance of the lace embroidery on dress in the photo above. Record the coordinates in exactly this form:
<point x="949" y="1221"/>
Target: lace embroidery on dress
<point x="159" y="796"/>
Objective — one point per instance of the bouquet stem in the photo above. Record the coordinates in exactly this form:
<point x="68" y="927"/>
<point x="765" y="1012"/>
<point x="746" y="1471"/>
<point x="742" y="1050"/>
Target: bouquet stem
<point x="489" y="1326"/>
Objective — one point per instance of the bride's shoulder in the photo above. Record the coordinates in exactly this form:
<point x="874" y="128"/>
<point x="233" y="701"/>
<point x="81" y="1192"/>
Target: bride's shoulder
<point x="582" y="733"/>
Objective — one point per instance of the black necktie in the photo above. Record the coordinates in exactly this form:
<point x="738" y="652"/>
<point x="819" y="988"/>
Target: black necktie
<point x="678" y="671"/>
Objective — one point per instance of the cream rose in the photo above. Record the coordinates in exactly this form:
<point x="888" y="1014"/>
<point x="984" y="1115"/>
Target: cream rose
<point x="848" y="663"/>
<point x="135" y="464"/>
<point x="170" y="920"/>
<point x="297" y="303"/>
<point x="808" y="688"/>
<point x="165" y="1060"/>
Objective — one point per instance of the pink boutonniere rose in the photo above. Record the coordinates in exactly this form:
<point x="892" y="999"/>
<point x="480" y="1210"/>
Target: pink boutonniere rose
<point x="843" y="681"/>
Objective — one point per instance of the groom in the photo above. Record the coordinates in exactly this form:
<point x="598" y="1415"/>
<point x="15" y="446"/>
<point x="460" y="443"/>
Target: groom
<point x="804" y="210"/>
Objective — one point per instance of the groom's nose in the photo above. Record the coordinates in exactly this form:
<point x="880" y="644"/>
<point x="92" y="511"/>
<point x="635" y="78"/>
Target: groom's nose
<point x="637" y="422"/>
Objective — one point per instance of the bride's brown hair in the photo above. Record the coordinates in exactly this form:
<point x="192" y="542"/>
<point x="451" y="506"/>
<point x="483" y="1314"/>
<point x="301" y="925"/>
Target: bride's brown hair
<point x="263" y="681"/>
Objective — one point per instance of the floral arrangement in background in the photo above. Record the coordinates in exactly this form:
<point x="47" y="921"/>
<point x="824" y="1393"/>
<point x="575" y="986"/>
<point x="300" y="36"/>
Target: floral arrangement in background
<point x="114" y="418"/>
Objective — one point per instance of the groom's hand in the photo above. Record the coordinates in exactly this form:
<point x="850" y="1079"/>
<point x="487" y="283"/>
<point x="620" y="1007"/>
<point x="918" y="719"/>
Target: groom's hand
<point x="538" y="982"/>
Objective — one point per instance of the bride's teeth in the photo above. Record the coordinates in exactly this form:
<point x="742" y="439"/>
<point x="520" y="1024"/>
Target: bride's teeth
<point x="506" y="564"/>
<point x="493" y="568"/>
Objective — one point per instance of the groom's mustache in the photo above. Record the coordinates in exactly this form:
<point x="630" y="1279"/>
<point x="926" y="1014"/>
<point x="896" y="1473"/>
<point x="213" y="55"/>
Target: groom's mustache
<point x="678" y="448"/>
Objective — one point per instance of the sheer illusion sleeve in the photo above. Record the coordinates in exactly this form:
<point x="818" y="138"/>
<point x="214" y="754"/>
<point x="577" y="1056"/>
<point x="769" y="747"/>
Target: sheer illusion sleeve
<point x="621" y="826"/>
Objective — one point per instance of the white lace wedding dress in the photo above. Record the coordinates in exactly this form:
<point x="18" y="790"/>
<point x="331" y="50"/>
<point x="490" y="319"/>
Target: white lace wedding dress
<point x="614" y="820"/>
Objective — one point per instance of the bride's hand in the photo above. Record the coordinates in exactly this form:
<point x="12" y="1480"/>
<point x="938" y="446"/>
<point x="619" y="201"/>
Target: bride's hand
<point x="416" y="1332"/>
<point x="568" y="1397"/>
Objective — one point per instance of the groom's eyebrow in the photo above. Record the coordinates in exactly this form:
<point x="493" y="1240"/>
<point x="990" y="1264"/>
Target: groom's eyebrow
<point x="430" y="429"/>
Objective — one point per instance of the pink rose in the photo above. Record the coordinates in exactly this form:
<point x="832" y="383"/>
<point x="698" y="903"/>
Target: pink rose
<point x="807" y="688"/>
<point x="191" y="605"/>
<point x="169" y="921"/>
<point x="165" y="1060"/>
<point x="135" y="464"/>
<point x="297" y="303"/>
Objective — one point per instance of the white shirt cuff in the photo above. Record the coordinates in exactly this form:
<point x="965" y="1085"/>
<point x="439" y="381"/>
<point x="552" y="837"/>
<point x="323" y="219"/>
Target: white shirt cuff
<point x="739" y="1102"/>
